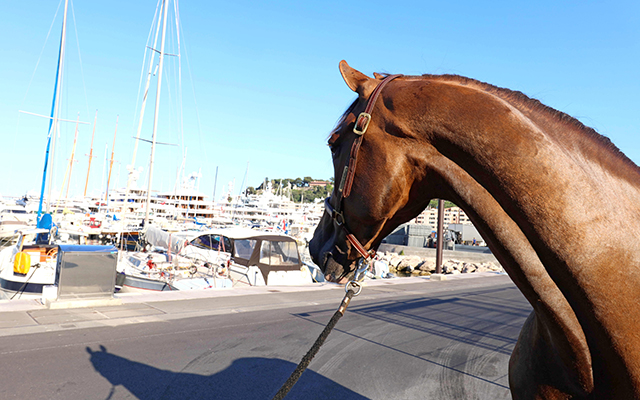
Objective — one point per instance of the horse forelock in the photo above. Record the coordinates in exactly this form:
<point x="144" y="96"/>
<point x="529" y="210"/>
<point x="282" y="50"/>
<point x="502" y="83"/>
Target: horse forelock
<point x="333" y="135"/>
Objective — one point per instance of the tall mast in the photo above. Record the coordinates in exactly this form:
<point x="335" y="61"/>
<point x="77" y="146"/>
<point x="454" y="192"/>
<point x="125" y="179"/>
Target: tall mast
<point x="144" y="104"/>
<point x="113" y="148"/>
<point x="155" y="118"/>
<point x="95" y="119"/>
<point x="180" y="172"/>
<point x="73" y="152"/>
<point x="104" y="168"/>
<point x="215" y="183"/>
<point x="67" y="172"/>
<point x="54" y="113"/>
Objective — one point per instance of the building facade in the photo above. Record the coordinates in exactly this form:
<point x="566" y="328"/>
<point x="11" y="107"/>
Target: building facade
<point x="452" y="215"/>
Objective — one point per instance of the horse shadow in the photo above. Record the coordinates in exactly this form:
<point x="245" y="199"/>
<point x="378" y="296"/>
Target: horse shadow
<point x="245" y="378"/>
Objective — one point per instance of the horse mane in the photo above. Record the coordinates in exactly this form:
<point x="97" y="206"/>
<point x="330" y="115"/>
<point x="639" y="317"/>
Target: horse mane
<point x="524" y="102"/>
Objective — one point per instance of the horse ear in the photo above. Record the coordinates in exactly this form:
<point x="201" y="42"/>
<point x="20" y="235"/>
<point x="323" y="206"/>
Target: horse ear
<point x="356" y="80"/>
<point x="378" y="76"/>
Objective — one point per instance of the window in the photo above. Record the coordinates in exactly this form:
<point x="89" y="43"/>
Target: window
<point x="244" y="248"/>
<point x="8" y="211"/>
<point x="278" y="253"/>
<point x="203" y="241"/>
<point x="221" y="243"/>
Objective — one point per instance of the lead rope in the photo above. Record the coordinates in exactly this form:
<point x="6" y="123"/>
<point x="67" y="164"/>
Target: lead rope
<point x="352" y="288"/>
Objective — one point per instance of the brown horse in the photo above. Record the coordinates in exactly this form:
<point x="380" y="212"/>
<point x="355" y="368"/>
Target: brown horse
<point x="557" y="203"/>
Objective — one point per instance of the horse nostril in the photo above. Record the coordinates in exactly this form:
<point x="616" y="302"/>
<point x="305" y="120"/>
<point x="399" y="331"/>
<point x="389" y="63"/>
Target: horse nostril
<point x="325" y="260"/>
<point x="327" y="255"/>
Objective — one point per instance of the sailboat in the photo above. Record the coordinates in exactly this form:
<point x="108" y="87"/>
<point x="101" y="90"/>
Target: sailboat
<point x="31" y="264"/>
<point x="141" y="270"/>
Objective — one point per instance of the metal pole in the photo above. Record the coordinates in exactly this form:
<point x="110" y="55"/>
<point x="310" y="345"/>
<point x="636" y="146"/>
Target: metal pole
<point x="86" y="183"/>
<point x="73" y="152"/>
<point x="215" y="183"/>
<point x="155" y="118"/>
<point x="132" y="170"/>
<point x="54" y="115"/>
<point x="440" y="236"/>
<point x="113" y="148"/>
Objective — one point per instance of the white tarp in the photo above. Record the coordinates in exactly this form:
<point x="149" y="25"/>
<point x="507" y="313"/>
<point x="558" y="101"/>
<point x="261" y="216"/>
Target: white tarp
<point x="160" y="238"/>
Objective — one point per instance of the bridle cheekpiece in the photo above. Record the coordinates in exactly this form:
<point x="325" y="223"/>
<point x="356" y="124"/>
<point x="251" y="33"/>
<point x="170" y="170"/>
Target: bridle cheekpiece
<point x="346" y="182"/>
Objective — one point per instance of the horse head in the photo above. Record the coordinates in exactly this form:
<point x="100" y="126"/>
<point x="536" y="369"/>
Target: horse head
<point x="375" y="172"/>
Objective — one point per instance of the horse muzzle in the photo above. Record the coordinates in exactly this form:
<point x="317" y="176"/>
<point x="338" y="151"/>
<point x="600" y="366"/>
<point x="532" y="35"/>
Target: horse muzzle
<point x="334" y="271"/>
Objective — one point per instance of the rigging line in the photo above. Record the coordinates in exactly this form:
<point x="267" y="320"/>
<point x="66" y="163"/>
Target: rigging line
<point x="193" y="91"/>
<point x="41" y="51"/>
<point x="144" y="62"/>
<point x="178" y="26"/>
<point x="84" y="86"/>
<point x="174" y="94"/>
<point x="168" y="82"/>
<point x="175" y="101"/>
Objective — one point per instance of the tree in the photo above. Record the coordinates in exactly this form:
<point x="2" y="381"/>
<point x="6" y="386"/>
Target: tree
<point x="300" y="188"/>
<point x="447" y="204"/>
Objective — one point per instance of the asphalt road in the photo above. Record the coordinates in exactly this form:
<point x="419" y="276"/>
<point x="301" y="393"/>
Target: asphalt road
<point x="441" y="340"/>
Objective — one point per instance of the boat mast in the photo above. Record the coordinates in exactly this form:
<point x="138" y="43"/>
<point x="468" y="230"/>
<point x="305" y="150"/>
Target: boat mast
<point x="67" y="173"/>
<point x="178" y="184"/>
<point x="155" y="118"/>
<point x="144" y="104"/>
<point x="70" y="168"/>
<point x="86" y="183"/>
<point x="215" y="183"/>
<point x="113" y="148"/>
<point x="104" y="167"/>
<point x="54" y="115"/>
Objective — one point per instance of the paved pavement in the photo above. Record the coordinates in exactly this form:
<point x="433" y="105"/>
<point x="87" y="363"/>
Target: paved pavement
<point x="408" y="338"/>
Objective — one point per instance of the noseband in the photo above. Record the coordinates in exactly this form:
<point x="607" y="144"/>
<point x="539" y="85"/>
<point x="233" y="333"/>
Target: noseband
<point x="360" y="127"/>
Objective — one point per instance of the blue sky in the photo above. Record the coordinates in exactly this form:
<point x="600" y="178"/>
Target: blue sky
<point x="260" y="80"/>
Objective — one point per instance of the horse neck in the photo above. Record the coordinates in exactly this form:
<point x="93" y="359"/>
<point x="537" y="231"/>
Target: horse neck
<point x="553" y="199"/>
<point x="536" y="168"/>
<point x="529" y="158"/>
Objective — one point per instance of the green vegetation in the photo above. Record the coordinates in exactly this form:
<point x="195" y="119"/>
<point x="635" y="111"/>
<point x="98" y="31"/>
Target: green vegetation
<point x="447" y="204"/>
<point x="299" y="189"/>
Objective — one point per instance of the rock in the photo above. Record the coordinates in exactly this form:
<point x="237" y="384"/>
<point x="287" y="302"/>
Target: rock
<point x="416" y="265"/>
<point x="427" y="265"/>
<point x="395" y="261"/>
<point x="469" y="268"/>
<point x="409" y="263"/>
<point x="496" y="268"/>
<point x="482" y="268"/>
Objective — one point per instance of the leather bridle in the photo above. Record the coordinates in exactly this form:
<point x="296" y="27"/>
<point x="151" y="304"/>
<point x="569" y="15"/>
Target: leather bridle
<point x="344" y="189"/>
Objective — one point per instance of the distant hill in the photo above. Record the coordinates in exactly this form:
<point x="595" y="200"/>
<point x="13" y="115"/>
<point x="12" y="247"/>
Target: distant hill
<point x="306" y="189"/>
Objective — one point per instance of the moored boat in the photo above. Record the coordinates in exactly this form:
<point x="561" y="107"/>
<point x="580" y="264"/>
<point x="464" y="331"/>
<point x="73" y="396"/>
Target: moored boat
<point x="30" y="264"/>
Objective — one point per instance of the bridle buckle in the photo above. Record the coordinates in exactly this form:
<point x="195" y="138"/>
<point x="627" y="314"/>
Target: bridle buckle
<point x="363" y="120"/>
<point x="338" y="218"/>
